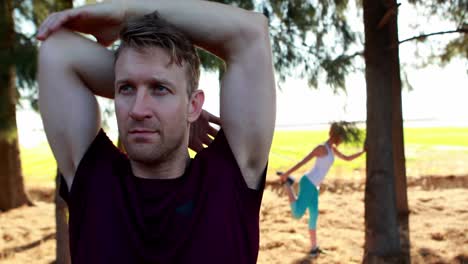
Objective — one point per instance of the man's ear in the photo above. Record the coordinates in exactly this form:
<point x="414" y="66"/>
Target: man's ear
<point x="196" y="101"/>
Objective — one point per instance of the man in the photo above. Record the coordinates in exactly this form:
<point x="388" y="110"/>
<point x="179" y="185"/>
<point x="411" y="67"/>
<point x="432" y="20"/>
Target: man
<point x="156" y="205"/>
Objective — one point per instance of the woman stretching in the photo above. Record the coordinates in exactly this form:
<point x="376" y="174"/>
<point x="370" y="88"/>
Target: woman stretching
<point x="310" y="182"/>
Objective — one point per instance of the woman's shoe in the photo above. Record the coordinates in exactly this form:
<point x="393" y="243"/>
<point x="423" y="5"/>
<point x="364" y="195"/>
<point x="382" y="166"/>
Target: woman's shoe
<point x="315" y="252"/>
<point x="289" y="181"/>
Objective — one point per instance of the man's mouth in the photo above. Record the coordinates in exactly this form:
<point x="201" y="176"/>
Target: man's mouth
<point x="142" y="135"/>
<point x="142" y="131"/>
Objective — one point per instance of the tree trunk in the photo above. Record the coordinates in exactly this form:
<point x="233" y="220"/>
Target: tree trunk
<point x="12" y="193"/>
<point x="62" y="249"/>
<point x="398" y="141"/>
<point x="382" y="242"/>
<point x="61" y="221"/>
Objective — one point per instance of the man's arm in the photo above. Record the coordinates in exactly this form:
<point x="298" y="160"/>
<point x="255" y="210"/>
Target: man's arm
<point x="237" y="36"/>
<point x="241" y="39"/>
<point x="71" y="69"/>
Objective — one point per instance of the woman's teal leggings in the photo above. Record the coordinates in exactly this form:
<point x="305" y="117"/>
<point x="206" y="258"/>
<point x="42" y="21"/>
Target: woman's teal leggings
<point x="307" y="198"/>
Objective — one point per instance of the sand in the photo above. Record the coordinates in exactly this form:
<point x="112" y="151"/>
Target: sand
<point x="438" y="224"/>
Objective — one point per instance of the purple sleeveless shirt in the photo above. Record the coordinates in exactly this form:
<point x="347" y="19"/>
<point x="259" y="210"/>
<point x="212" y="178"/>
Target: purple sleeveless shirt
<point x="208" y="215"/>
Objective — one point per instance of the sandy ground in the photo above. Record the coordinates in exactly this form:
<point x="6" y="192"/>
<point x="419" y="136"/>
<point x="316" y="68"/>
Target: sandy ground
<point x="438" y="225"/>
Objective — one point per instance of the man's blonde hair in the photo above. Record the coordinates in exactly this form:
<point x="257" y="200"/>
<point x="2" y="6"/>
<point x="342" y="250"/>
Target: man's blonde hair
<point x="152" y="31"/>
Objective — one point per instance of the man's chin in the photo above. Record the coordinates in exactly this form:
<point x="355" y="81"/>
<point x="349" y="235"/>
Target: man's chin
<point x="144" y="158"/>
<point x="143" y="152"/>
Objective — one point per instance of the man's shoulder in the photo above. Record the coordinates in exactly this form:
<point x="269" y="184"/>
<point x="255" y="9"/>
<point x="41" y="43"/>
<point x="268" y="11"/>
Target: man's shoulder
<point x="100" y="153"/>
<point x="102" y="143"/>
<point x="218" y="163"/>
<point x="216" y="157"/>
<point x="217" y="146"/>
<point x="101" y="163"/>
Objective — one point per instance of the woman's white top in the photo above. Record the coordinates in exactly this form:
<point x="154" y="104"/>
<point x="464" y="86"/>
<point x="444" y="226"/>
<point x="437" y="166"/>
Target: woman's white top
<point x="322" y="165"/>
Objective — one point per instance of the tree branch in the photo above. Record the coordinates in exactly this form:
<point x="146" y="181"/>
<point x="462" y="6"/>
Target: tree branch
<point x="357" y="53"/>
<point x="423" y="36"/>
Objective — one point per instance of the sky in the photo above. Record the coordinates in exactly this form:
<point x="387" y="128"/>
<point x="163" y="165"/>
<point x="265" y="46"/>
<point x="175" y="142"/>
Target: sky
<point x="438" y="98"/>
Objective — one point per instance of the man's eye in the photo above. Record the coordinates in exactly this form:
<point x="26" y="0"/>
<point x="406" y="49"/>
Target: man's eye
<point x="160" y="89"/>
<point x="125" y="89"/>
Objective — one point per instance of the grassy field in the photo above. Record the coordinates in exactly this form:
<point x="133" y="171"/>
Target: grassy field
<point x="428" y="151"/>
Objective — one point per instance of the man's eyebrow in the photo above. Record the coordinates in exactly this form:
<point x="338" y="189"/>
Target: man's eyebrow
<point x="159" y="80"/>
<point x="162" y="80"/>
<point x="120" y="81"/>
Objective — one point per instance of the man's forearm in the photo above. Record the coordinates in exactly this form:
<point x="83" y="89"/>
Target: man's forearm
<point x="220" y="29"/>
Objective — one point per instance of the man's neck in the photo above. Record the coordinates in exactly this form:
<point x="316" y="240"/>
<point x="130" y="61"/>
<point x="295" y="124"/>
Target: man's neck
<point x="167" y="169"/>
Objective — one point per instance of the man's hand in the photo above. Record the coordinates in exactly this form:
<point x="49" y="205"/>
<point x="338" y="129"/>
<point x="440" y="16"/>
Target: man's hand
<point x="103" y="21"/>
<point x="201" y="130"/>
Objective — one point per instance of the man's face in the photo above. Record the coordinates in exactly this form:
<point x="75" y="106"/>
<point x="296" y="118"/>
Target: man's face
<point x="151" y="104"/>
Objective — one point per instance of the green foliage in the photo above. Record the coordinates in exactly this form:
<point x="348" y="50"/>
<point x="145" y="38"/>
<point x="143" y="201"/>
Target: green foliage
<point x="245" y="4"/>
<point x="456" y="48"/>
<point x="311" y="40"/>
<point x="25" y="58"/>
<point x="40" y="10"/>
<point x="25" y="50"/>
<point x="456" y="13"/>
<point x="337" y="69"/>
<point x="209" y="61"/>
<point x="453" y="10"/>
<point x="348" y="132"/>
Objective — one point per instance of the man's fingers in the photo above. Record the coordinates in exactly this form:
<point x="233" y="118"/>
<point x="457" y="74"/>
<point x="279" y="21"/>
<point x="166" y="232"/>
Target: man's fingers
<point x="63" y="18"/>
<point x="212" y="131"/>
<point x="198" y="148"/>
<point x="44" y="28"/>
<point x="213" y="119"/>
<point x="207" y="140"/>
<point x="54" y="22"/>
<point x="49" y="26"/>
<point x="216" y="120"/>
<point x="196" y="145"/>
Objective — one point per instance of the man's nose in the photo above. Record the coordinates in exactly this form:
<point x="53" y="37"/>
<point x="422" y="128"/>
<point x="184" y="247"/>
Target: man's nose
<point x="141" y="106"/>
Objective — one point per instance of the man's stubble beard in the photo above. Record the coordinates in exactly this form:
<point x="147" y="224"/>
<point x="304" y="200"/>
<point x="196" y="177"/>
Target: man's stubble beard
<point x="155" y="153"/>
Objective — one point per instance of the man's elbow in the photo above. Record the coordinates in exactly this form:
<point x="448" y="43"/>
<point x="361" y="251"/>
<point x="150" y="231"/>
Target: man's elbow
<point x="53" y="50"/>
<point x="251" y="31"/>
<point x="261" y="23"/>
<point x="256" y="27"/>
<point x="48" y="46"/>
